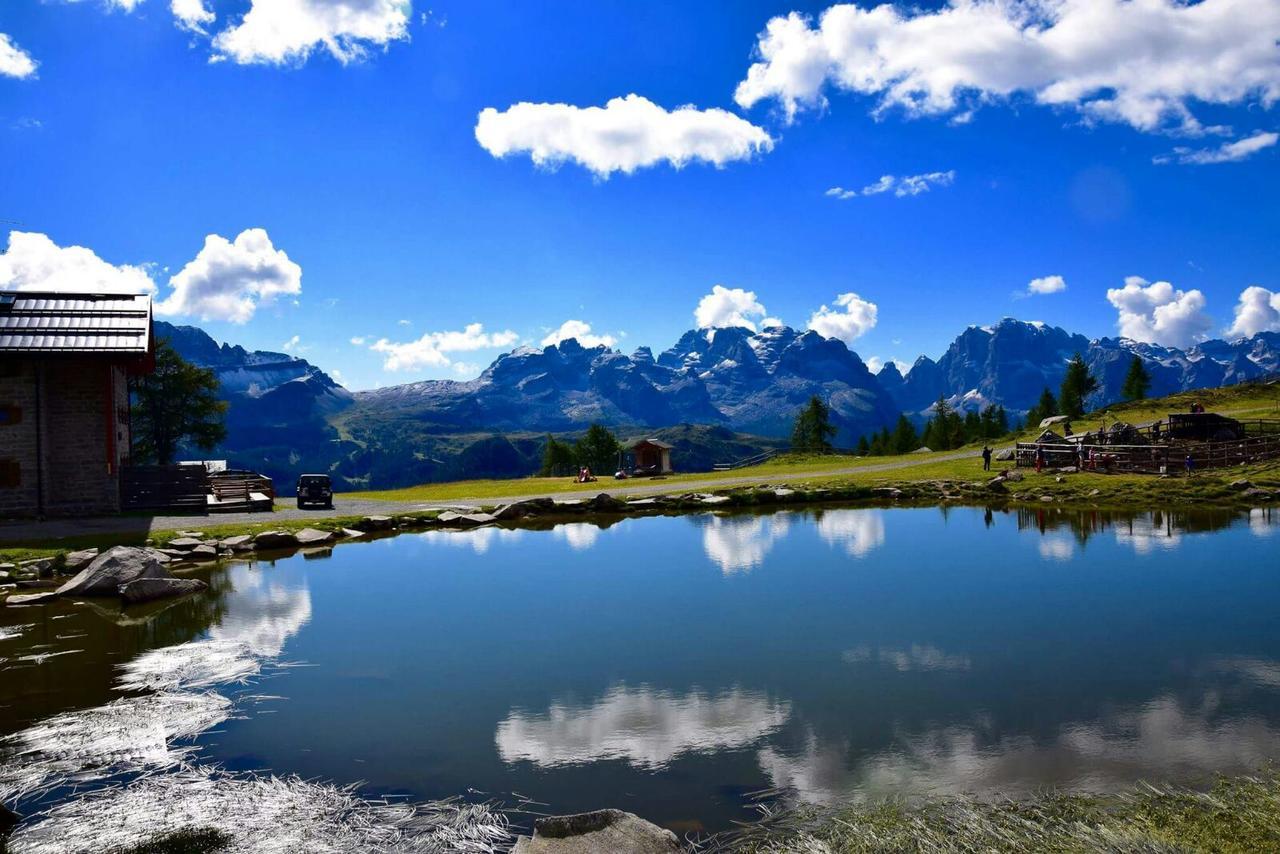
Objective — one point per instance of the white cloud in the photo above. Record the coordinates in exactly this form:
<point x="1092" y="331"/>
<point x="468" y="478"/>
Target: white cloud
<point x="14" y="61"/>
<point x="1257" y="311"/>
<point x="291" y="345"/>
<point x="852" y="318"/>
<point x="1139" y="63"/>
<point x="622" y="136"/>
<point x="286" y="32"/>
<point x="725" y="307"/>
<point x="902" y="186"/>
<point x="432" y="349"/>
<point x="230" y="280"/>
<point x="192" y="15"/>
<point x="1047" y="285"/>
<point x="860" y="532"/>
<point x="1228" y="152"/>
<point x="643" y="726"/>
<point x="33" y="262"/>
<point x="1159" y="313"/>
<point x="358" y="340"/>
<point x="875" y="364"/>
<point x="581" y="330"/>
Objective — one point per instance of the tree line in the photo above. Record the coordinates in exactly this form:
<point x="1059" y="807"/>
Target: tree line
<point x="597" y="449"/>
<point x="1078" y="384"/>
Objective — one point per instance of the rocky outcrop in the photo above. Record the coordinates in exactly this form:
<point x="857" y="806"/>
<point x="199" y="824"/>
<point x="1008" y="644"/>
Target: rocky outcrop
<point x="313" y="537"/>
<point x="598" y="832"/>
<point x="108" y="571"/>
<point x="147" y="589"/>
<point x="275" y="540"/>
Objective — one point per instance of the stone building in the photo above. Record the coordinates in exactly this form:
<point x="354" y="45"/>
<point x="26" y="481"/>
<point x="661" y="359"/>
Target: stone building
<point x="65" y="360"/>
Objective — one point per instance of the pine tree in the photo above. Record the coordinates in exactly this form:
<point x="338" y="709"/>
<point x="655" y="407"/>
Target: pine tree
<point x="905" y="439"/>
<point x="972" y="426"/>
<point x="1137" y="382"/>
<point x="942" y="434"/>
<point x="813" y="430"/>
<point x="173" y="406"/>
<point x="864" y="447"/>
<point x="557" y="458"/>
<point x="1001" y="422"/>
<point x="597" y="450"/>
<point x="1077" y="385"/>
<point x="1046" y="407"/>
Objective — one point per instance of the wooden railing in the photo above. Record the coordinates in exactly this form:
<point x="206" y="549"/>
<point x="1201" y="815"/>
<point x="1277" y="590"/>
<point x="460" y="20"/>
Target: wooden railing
<point x="1261" y="441"/>
<point x="164" y="487"/>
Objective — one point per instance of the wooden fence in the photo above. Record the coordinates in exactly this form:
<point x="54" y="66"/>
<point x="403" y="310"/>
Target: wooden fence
<point x="1261" y="441"/>
<point x="180" y="488"/>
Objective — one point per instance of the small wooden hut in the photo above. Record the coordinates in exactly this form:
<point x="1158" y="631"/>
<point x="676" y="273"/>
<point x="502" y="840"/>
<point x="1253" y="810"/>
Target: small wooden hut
<point x="652" y="457"/>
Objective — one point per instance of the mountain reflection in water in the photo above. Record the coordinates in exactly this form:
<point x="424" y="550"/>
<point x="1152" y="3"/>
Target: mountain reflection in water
<point x="671" y="665"/>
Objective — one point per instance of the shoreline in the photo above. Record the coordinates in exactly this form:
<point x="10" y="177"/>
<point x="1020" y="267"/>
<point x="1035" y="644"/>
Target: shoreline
<point x="1063" y="491"/>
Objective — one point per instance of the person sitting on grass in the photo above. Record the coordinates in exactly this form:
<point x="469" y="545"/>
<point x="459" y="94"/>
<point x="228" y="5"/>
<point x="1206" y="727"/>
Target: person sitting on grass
<point x="585" y="475"/>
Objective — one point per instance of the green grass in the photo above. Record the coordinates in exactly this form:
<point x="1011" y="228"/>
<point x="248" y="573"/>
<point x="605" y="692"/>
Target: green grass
<point x="1240" y="814"/>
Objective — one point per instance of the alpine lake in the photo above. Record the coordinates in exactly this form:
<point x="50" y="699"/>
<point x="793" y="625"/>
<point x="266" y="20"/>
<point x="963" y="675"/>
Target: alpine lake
<point x="684" y="668"/>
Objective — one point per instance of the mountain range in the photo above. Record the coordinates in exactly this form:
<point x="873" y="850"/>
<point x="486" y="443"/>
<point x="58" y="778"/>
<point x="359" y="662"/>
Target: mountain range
<point x="741" y="388"/>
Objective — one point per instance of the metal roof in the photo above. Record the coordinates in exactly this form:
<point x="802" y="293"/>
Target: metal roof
<point x="45" y="322"/>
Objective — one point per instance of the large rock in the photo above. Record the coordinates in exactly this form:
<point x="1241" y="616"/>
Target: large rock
<point x="146" y="589"/>
<point x="465" y="520"/>
<point x="76" y="561"/>
<point x="598" y="832"/>
<point x="238" y="543"/>
<point x="376" y="523"/>
<point x="32" y="598"/>
<point x="114" y="567"/>
<point x="185" y="543"/>
<point x="606" y="503"/>
<point x="275" y="540"/>
<point x="314" y="537"/>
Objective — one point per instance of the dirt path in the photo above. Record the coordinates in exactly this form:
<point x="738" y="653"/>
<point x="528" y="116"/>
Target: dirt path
<point x="343" y="506"/>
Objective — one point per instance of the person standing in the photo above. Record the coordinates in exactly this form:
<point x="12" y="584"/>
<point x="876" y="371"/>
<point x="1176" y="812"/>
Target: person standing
<point x="1190" y="463"/>
<point x="1039" y="458"/>
<point x="986" y="458"/>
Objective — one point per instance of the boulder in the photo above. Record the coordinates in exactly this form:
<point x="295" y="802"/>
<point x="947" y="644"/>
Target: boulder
<point x="714" y="499"/>
<point x="509" y="512"/>
<point x="158" y="555"/>
<point x="1014" y="476"/>
<point x="375" y="523"/>
<point x="598" y="832"/>
<point x="1005" y="456"/>
<point x="238" y="543"/>
<point x="465" y="520"/>
<point x="1255" y="493"/>
<point x="185" y="543"/>
<point x="644" y="503"/>
<point x="351" y="533"/>
<point x="1241" y="485"/>
<point x="606" y="503"/>
<point x="173" y="554"/>
<point x="41" y="567"/>
<point x="146" y="589"/>
<point x="77" y="561"/>
<point x="32" y="598"/>
<point x="203" y="553"/>
<point x="996" y="484"/>
<point x="886" y="492"/>
<point x="275" y="540"/>
<point x="105" y="573"/>
<point x="314" y="537"/>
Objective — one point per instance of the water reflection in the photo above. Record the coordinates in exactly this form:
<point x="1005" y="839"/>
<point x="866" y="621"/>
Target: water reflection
<point x="914" y="657"/>
<point x="1163" y="739"/>
<point x="858" y="532"/>
<point x="579" y="535"/>
<point x="741" y="543"/>
<point x="479" y="540"/>
<point x="643" y="726"/>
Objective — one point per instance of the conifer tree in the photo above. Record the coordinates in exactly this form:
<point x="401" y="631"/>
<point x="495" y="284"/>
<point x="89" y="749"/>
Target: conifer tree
<point x="1077" y="385"/>
<point x="813" y="429"/>
<point x="1137" y="382"/>
<point x="905" y="438"/>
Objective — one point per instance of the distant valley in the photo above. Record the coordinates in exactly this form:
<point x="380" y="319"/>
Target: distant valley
<point x="716" y="394"/>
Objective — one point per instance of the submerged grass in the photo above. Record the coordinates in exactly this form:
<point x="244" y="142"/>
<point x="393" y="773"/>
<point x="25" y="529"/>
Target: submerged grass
<point x="1239" y="814"/>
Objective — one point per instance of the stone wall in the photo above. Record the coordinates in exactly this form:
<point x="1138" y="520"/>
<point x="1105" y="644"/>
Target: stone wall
<point x="18" y="441"/>
<point x="81" y="399"/>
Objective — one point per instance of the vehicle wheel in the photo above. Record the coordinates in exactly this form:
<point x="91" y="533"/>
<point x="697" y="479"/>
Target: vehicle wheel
<point x="329" y="506"/>
<point x="301" y="506"/>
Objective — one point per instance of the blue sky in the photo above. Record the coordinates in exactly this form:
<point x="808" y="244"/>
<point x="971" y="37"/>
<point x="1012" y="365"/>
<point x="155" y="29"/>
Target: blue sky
<point x="365" y="170"/>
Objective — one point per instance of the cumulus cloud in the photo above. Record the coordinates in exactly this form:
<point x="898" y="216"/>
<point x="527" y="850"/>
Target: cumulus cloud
<point x="1139" y="63"/>
<point x="1228" y="152"/>
<point x="14" y="61"/>
<point x="859" y="532"/>
<point x="624" y="135"/>
<point x="1157" y="313"/>
<point x="229" y="280"/>
<point x="907" y="185"/>
<point x="33" y="262"/>
<point x="851" y="318"/>
<point x="433" y="348"/>
<point x="580" y="330"/>
<point x="725" y="307"/>
<point x="287" y="32"/>
<point x="192" y="15"/>
<point x="1257" y="311"/>
<point x="875" y="364"/>
<point x="840" y="193"/>
<point x="645" y="727"/>
<point x="1046" y="285"/>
